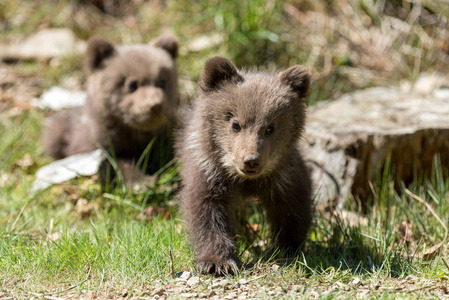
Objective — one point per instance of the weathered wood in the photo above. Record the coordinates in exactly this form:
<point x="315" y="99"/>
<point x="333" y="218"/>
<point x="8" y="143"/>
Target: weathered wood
<point x="348" y="140"/>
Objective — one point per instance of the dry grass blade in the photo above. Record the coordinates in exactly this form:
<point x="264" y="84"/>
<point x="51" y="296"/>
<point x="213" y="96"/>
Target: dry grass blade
<point x="432" y="251"/>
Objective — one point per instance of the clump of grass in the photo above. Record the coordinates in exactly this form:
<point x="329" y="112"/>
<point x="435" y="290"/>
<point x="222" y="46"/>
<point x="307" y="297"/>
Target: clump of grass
<point x="17" y="132"/>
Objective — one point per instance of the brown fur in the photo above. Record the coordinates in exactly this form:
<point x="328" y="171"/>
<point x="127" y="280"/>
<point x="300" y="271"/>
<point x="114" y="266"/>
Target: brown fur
<point x="132" y="98"/>
<point x="240" y="140"/>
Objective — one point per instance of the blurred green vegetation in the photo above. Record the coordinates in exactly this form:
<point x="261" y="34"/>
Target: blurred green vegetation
<point x="347" y="44"/>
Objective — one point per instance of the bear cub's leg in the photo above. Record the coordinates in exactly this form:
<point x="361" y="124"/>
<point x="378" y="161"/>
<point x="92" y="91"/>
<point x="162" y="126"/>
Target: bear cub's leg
<point x="289" y="210"/>
<point x="208" y="212"/>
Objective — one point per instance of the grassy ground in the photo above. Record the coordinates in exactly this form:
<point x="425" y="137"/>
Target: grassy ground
<point x="73" y="241"/>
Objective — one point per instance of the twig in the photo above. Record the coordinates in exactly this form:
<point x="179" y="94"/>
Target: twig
<point x="171" y="264"/>
<point x="445" y="263"/>
<point x="430" y="209"/>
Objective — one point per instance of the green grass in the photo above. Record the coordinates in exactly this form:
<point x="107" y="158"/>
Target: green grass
<point x="53" y="243"/>
<point x="111" y="250"/>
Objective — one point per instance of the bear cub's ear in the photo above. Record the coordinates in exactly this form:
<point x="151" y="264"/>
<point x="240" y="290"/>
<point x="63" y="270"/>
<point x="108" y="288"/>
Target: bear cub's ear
<point x="298" y="78"/>
<point x="98" y="50"/>
<point x="217" y="71"/>
<point x="167" y="42"/>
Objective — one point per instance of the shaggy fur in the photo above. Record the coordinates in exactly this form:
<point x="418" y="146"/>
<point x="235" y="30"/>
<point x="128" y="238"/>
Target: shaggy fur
<point x="240" y="140"/>
<point x="132" y="98"/>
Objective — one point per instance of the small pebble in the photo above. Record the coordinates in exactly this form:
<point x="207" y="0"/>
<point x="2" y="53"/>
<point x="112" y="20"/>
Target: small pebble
<point x="183" y="276"/>
<point x="193" y="281"/>
<point x="188" y="295"/>
<point x="231" y="296"/>
<point x="356" y="281"/>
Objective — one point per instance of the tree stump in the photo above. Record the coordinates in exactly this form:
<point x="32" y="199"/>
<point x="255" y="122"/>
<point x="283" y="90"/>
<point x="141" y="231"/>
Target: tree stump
<point x="348" y="140"/>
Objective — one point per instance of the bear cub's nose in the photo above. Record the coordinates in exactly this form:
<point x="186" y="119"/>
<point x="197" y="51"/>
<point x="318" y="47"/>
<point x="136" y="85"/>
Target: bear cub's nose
<point x="251" y="162"/>
<point x="156" y="108"/>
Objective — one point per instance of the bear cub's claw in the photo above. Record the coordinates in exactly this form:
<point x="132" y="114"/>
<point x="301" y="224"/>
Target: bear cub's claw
<point x="225" y="267"/>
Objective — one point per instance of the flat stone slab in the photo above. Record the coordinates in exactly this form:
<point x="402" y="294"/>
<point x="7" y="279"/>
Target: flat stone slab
<point x="43" y="45"/>
<point x="347" y="140"/>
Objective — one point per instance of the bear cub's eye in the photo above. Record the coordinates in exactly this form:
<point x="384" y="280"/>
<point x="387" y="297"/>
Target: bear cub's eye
<point x="161" y="83"/>
<point x="236" y="126"/>
<point x="133" y="85"/>
<point x="270" y="129"/>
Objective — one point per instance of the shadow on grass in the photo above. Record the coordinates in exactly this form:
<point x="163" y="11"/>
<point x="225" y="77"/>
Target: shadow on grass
<point x="375" y="245"/>
<point x="343" y="249"/>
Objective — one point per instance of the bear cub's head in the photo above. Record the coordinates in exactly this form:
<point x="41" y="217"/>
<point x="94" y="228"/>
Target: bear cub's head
<point x="133" y="85"/>
<point x="254" y="118"/>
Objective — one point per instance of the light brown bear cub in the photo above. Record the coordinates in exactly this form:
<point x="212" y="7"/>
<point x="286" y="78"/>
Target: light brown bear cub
<point x="240" y="140"/>
<point x="132" y="98"/>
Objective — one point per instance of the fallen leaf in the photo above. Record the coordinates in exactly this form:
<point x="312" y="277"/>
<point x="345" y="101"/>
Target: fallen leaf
<point x="87" y="268"/>
<point x="54" y="236"/>
<point x="432" y="252"/>
<point x="5" y="180"/>
<point x="72" y="192"/>
<point x="251" y="230"/>
<point x="405" y="229"/>
<point x="158" y="291"/>
<point x="25" y="163"/>
<point x="83" y="207"/>
<point x="17" y="90"/>
<point x="254" y="227"/>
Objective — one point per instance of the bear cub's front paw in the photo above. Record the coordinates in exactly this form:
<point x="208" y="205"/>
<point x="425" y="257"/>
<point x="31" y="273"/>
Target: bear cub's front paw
<point x="217" y="266"/>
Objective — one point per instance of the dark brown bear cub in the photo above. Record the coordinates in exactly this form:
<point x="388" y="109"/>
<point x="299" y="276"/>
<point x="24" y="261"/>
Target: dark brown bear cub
<point x="240" y="140"/>
<point x="132" y="97"/>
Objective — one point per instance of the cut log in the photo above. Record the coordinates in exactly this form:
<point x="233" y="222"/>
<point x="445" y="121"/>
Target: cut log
<point x="348" y="140"/>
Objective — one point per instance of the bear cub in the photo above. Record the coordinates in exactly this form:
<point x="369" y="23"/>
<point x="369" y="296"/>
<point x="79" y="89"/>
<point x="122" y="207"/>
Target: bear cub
<point x="240" y="140"/>
<point x="132" y="97"/>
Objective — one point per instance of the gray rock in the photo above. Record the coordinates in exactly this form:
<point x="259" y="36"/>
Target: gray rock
<point x="193" y="281"/>
<point x="183" y="276"/>
<point x="44" y="45"/>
